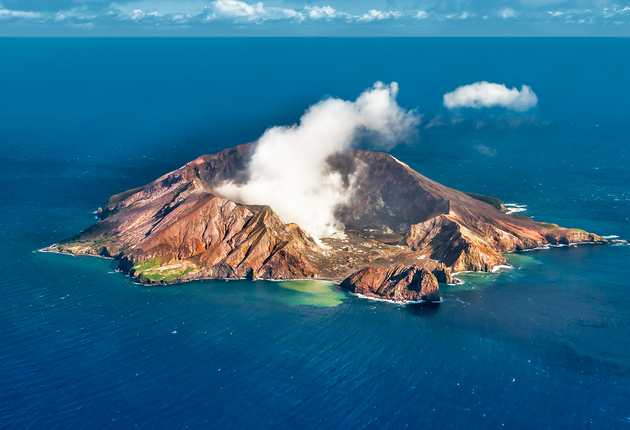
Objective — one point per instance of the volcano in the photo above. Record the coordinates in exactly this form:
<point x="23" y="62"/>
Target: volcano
<point x="403" y="235"/>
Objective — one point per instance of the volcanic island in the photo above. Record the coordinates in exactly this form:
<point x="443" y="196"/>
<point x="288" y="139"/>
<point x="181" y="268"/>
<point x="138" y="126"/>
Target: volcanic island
<point x="403" y="233"/>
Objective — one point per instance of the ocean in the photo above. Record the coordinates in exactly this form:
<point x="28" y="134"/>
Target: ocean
<point x="545" y="345"/>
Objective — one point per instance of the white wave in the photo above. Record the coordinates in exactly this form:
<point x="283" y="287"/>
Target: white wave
<point x="377" y="299"/>
<point x="537" y="249"/>
<point x="612" y="236"/>
<point x="515" y="210"/>
<point x="498" y="267"/>
<point x="55" y="251"/>
<point x="464" y="271"/>
<point x="560" y="245"/>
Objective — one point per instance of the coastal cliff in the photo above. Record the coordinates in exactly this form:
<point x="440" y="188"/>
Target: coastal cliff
<point x="403" y="233"/>
<point x="399" y="284"/>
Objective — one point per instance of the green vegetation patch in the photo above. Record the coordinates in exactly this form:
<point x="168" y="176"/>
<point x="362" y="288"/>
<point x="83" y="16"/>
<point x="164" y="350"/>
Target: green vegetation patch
<point x="117" y="198"/>
<point x="167" y="275"/>
<point x="522" y="217"/>
<point x="141" y="266"/>
<point x="71" y="241"/>
<point x="492" y="201"/>
<point x="547" y="225"/>
<point x="79" y="241"/>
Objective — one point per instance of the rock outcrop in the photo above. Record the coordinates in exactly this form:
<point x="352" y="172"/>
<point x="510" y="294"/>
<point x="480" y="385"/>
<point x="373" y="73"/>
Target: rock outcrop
<point x="399" y="222"/>
<point x="400" y="284"/>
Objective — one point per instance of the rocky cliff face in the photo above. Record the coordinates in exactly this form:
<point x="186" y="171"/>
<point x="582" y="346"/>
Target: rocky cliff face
<point x="403" y="231"/>
<point x="398" y="283"/>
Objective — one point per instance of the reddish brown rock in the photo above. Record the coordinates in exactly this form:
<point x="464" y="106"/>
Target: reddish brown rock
<point x="177" y="229"/>
<point x="400" y="284"/>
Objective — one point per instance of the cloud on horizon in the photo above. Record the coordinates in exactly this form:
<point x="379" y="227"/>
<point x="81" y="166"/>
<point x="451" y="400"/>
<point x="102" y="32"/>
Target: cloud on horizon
<point x="441" y="17"/>
<point x="238" y="10"/>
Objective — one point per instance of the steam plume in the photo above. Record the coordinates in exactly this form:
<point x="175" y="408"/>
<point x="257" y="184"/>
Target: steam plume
<point x="288" y="170"/>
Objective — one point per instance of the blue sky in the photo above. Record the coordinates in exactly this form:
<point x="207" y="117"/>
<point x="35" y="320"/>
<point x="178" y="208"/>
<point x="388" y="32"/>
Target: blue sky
<point x="314" y="18"/>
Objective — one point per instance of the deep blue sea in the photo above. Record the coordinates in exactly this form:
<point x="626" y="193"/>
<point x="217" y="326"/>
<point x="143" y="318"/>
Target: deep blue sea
<point x="544" y="346"/>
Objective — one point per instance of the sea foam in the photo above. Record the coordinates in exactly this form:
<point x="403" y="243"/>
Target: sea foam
<point x="513" y="208"/>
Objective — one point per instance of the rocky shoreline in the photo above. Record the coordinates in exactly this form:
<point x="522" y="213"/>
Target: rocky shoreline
<point x="404" y="234"/>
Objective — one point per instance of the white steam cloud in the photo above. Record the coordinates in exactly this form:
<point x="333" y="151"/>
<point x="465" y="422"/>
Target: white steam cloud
<point x="288" y="170"/>
<point x="484" y="94"/>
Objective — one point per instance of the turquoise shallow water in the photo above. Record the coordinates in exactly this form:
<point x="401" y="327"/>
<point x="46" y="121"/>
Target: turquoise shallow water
<point x="542" y="346"/>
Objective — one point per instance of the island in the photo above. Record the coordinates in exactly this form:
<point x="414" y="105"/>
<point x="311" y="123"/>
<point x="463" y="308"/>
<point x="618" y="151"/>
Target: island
<point x="403" y="233"/>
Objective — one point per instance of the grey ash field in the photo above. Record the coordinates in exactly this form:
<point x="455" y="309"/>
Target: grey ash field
<point x="404" y="233"/>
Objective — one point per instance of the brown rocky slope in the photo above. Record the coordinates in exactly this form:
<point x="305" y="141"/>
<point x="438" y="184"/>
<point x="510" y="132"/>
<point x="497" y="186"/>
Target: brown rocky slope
<point x="407" y="229"/>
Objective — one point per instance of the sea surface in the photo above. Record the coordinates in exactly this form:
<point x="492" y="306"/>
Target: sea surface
<point x="545" y="345"/>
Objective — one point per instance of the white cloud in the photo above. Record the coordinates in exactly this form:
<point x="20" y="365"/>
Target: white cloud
<point x="615" y="11"/>
<point x="377" y="15"/>
<point x="464" y="15"/>
<point x="6" y="14"/>
<point x="508" y="13"/>
<point x="142" y="13"/>
<point x="539" y="3"/>
<point x="79" y="14"/>
<point x="326" y="12"/>
<point x="484" y="95"/>
<point x="289" y="171"/>
<point x="286" y="14"/>
<point x="136" y="15"/>
<point x="163" y="7"/>
<point x="235" y="9"/>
